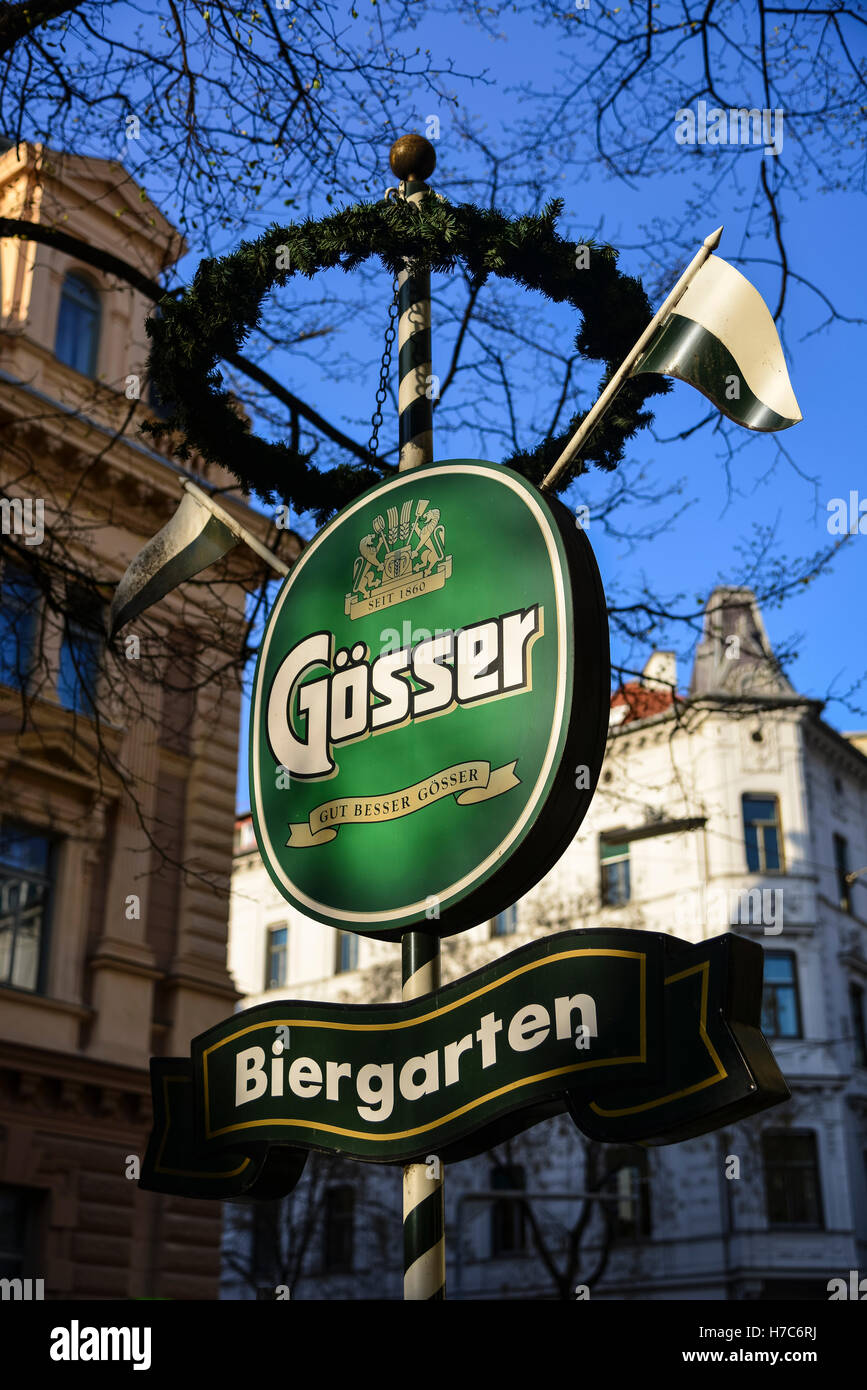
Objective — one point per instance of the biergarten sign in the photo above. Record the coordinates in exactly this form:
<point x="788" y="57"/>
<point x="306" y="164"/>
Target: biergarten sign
<point x="430" y="704"/>
<point x="637" y="1035"/>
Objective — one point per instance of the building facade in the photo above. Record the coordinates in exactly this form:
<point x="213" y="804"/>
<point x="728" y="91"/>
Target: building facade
<point x="118" y="761"/>
<point x="732" y="808"/>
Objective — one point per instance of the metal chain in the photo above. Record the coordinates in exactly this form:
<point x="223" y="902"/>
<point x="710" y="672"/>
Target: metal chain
<point x="385" y="365"/>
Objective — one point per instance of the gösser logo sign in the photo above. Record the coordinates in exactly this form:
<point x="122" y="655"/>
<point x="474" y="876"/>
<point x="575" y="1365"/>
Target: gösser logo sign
<point x="430" y="703"/>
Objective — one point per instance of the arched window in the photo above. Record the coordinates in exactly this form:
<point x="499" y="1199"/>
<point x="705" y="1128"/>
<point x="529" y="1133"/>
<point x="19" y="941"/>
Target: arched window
<point x="78" y="325"/>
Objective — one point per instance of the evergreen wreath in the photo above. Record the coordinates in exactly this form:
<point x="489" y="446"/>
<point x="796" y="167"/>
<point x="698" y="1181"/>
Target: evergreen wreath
<point x="211" y="319"/>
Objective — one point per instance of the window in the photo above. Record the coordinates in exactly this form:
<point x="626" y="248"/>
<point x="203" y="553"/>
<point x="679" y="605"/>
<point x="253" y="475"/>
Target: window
<point x="841" y="864"/>
<point x="19" y="1213"/>
<point x="859" y="1029"/>
<point x="792" y="1178"/>
<point x="81" y="651"/>
<point x="265" y="1224"/>
<point x="277" y="969"/>
<point x="78" y="325"/>
<point x="508" y="1218"/>
<point x="631" y="1185"/>
<point x="616" y="887"/>
<point x="762" y="834"/>
<point x="505" y="923"/>
<point x="25" y="886"/>
<point x="347" y="952"/>
<point x="19" y="612"/>
<point x="781" y="1013"/>
<point x="339" y="1227"/>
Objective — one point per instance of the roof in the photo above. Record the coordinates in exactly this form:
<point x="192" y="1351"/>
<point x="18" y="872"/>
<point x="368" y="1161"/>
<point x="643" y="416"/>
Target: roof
<point x="640" y="701"/>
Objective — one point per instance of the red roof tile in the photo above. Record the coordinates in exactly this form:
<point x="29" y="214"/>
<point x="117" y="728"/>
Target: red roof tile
<point x="641" y="701"/>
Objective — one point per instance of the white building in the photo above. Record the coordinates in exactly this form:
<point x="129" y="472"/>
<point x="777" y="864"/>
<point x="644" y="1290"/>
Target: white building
<point x="733" y="808"/>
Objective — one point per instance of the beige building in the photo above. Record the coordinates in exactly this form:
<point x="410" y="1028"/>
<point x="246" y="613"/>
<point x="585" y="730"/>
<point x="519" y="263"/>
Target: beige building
<point x="118" y="763"/>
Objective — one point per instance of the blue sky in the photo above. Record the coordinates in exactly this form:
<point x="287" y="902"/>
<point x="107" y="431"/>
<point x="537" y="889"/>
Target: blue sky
<point x="786" y="497"/>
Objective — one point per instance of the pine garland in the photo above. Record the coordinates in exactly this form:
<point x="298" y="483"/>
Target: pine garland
<point x="223" y="304"/>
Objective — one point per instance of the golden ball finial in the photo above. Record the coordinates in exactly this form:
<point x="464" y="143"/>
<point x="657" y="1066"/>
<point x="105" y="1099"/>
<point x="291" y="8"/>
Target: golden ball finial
<point x="412" y="158"/>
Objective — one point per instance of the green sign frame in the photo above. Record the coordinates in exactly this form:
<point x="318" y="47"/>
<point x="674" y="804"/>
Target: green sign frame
<point x="430" y="703"/>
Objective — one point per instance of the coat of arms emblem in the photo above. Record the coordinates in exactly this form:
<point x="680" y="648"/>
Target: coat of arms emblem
<point x="401" y="558"/>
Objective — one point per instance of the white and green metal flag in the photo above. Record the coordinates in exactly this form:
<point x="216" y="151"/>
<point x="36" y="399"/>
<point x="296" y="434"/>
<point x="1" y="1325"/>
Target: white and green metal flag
<point x="199" y="533"/>
<point x="192" y="540"/>
<point x="716" y="332"/>
<point x="721" y="338"/>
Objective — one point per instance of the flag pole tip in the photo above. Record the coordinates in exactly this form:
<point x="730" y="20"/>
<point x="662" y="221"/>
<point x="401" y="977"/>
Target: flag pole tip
<point x="712" y="241"/>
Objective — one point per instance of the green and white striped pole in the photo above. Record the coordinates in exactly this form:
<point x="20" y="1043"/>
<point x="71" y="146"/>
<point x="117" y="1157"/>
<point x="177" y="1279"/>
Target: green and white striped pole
<point x="424" y="1241"/>
<point x="413" y="160"/>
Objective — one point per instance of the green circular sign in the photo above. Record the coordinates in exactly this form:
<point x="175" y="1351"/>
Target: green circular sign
<point x="430" y="704"/>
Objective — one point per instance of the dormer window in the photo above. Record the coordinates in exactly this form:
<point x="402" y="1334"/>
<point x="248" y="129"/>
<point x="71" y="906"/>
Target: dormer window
<point x="78" y="321"/>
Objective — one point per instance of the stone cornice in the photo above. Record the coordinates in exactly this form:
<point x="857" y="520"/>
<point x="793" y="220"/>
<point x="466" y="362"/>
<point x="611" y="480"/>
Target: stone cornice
<point x="58" y="748"/>
<point x="80" y="1095"/>
<point x="688" y="710"/>
<point x="43" y="1001"/>
<point x="103" y="959"/>
<point x="757" y="930"/>
<point x="89" y="1071"/>
<point x="842" y="917"/>
<point x="76" y="174"/>
<point x="138" y="476"/>
<point x="853" y="962"/>
<point x="799" y="1082"/>
<point x="185" y="977"/>
<point x="838" y="750"/>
